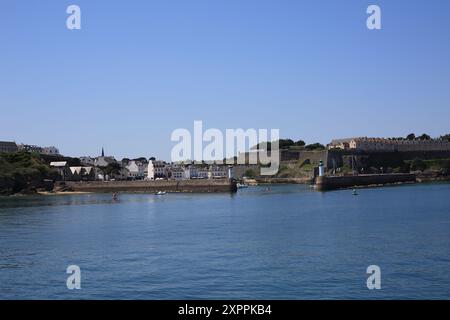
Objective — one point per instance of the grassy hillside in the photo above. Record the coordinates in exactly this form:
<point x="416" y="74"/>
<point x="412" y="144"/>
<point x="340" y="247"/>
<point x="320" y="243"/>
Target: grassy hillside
<point x="295" y="169"/>
<point x="22" y="172"/>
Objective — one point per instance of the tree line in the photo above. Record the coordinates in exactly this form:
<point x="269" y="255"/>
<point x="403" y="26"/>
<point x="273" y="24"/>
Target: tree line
<point x="289" y="143"/>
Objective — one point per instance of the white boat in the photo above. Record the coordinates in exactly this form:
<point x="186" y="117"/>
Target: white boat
<point x="160" y="193"/>
<point x="241" y="186"/>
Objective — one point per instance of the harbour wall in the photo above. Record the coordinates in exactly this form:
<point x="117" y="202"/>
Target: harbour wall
<point x="305" y="180"/>
<point x="189" y="186"/>
<point x="339" y="182"/>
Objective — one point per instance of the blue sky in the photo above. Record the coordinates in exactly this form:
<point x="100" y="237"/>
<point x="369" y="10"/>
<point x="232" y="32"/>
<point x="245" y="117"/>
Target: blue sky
<point x="137" y="70"/>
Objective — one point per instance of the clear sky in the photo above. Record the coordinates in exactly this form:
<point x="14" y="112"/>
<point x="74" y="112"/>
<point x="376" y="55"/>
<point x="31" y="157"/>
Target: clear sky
<point x="137" y="70"/>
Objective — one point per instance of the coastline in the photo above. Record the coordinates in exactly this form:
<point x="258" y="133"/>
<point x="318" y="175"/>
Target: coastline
<point x="80" y="193"/>
<point x="205" y="186"/>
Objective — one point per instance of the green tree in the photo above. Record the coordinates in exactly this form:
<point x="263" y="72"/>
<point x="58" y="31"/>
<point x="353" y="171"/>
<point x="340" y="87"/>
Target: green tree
<point x="411" y="136"/>
<point x="285" y="143"/>
<point x="282" y="144"/>
<point x="425" y="137"/>
<point x="111" y="169"/>
<point x="315" y="146"/>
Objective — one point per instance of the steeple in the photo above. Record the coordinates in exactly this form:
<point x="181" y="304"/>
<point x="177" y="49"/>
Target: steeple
<point x="103" y="152"/>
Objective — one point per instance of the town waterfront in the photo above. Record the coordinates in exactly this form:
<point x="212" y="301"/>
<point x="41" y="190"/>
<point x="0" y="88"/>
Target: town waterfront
<point x="282" y="242"/>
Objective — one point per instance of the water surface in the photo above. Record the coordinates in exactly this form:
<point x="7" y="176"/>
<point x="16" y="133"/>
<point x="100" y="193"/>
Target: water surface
<point x="285" y="243"/>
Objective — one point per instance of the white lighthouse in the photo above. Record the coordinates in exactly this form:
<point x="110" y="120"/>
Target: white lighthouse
<point x="321" y="169"/>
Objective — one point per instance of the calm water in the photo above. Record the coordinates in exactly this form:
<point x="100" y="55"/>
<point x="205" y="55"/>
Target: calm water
<point x="287" y="243"/>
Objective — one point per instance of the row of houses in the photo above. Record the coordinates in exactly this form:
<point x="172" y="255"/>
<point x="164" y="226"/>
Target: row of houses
<point x="389" y="145"/>
<point x="8" y="146"/>
<point x="155" y="169"/>
<point x="51" y="151"/>
<point x="107" y="168"/>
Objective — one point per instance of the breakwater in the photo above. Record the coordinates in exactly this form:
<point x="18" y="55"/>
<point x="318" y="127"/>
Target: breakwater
<point x="339" y="182"/>
<point x="194" y="186"/>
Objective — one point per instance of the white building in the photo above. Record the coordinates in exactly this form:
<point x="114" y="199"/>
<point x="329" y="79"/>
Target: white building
<point x="177" y="173"/>
<point x="188" y="172"/>
<point x="136" y="170"/>
<point x="149" y="171"/>
<point x="160" y="169"/>
<point x="218" y="172"/>
<point x="203" y="172"/>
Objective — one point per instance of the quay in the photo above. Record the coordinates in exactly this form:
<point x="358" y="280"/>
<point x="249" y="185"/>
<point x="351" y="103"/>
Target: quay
<point x="324" y="183"/>
<point x="188" y="186"/>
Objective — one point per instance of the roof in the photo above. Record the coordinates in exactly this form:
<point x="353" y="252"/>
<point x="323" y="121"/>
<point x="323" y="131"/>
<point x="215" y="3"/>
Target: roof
<point x="339" y="141"/>
<point x="76" y="170"/>
<point x="58" y="163"/>
<point x="8" y="144"/>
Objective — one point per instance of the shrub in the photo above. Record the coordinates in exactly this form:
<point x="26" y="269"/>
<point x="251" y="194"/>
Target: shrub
<point x="249" y="173"/>
<point x="418" y="164"/>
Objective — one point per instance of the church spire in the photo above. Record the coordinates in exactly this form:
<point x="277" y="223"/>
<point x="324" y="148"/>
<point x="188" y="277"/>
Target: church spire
<point x="103" y="152"/>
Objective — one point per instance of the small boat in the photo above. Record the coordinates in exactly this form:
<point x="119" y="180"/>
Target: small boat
<point x="160" y="193"/>
<point x="241" y="186"/>
<point x="354" y="192"/>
